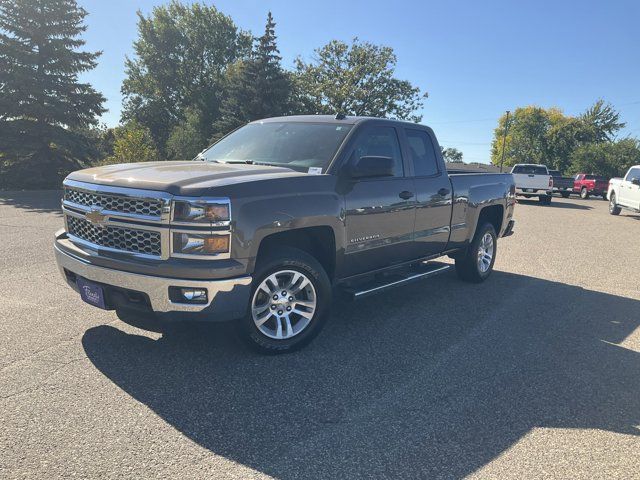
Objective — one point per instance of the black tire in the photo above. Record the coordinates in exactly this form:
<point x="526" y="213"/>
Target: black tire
<point x="467" y="266"/>
<point x="565" y="194"/>
<point x="545" y="199"/>
<point x="604" y="195"/>
<point x="287" y="258"/>
<point x="584" y="193"/>
<point x="614" y="209"/>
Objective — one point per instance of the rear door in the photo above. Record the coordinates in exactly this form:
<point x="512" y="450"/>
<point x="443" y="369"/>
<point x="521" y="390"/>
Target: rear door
<point x="380" y="212"/>
<point x="433" y="193"/>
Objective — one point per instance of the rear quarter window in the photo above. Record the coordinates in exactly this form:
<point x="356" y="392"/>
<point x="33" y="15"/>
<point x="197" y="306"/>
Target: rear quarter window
<point x="530" y="170"/>
<point x="422" y="153"/>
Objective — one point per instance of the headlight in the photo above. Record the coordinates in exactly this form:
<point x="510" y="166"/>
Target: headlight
<point x="200" y="211"/>
<point x="200" y="243"/>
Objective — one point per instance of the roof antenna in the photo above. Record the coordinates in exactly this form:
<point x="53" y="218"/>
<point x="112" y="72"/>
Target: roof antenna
<point x="340" y="116"/>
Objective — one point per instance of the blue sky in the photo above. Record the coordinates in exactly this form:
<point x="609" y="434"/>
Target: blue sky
<point x="475" y="58"/>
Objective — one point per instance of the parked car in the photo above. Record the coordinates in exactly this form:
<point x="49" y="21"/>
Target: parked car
<point x="561" y="185"/>
<point x="272" y="219"/>
<point x="625" y="192"/>
<point x="533" y="180"/>
<point x="586" y="185"/>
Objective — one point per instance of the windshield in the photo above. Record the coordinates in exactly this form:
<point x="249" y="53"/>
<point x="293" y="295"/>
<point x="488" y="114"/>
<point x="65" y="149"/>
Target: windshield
<point x="300" y="146"/>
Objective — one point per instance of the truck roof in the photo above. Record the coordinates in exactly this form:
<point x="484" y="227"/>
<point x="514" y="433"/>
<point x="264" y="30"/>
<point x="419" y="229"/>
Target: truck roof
<point x="349" y="120"/>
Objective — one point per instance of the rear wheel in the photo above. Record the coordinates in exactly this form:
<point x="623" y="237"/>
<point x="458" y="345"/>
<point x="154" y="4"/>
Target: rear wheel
<point x="290" y="302"/>
<point x="477" y="263"/>
<point x="565" y="194"/>
<point x="614" y="209"/>
<point x="545" y="199"/>
<point x="584" y="193"/>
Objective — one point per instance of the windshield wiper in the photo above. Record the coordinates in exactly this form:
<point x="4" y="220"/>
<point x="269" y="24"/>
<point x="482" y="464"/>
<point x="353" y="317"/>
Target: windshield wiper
<point x="249" y="162"/>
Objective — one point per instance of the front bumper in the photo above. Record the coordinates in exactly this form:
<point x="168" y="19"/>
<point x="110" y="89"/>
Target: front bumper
<point x="227" y="299"/>
<point x="533" y="191"/>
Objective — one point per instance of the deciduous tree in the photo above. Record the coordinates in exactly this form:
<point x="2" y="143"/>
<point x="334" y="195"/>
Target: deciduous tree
<point x="547" y="136"/>
<point x="132" y="143"/>
<point x="609" y="159"/>
<point x="356" y="79"/>
<point x="452" y="155"/>
<point x="181" y="55"/>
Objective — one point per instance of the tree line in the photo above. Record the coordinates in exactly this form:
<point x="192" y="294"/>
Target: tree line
<point x="194" y="76"/>
<point x="586" y="143"/>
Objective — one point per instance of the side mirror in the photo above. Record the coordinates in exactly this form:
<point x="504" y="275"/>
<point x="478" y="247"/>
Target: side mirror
<point x="371" y="166"/>
<point x="635" y="181"/>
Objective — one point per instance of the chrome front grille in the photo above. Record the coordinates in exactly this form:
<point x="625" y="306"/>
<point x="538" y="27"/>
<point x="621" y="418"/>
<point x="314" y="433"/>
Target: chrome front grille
<point x="119" y="238"/>
<point x="114" y="203"/>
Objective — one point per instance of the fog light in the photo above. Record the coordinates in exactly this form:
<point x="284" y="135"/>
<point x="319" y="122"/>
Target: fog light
<point x="194" y="295"/>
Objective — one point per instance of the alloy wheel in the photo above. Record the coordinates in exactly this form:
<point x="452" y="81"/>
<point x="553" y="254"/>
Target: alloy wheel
<point x="283" y="305"/>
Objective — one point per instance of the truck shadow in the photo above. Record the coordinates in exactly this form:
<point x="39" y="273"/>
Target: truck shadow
<point x="433" y="380"/>
<point x="557" y="203"/>
<point x="44" y="201"/>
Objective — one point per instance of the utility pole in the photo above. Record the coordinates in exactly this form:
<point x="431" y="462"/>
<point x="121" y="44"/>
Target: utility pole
<point x="504" y="139"/>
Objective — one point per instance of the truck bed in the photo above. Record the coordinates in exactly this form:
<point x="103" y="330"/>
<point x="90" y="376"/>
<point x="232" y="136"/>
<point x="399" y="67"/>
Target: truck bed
<point x="472" y="191"/>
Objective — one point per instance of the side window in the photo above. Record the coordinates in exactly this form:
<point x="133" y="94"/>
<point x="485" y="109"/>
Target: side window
<point x="380" y="142"/>
<point x="422" y="153"/>
<point x="633" y="173"/>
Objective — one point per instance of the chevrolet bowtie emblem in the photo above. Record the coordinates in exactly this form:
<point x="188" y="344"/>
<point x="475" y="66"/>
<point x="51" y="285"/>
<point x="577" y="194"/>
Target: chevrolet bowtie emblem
<point x="96" y="217"/>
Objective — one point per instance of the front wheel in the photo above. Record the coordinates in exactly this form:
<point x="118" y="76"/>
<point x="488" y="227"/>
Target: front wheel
<point x="477" y="263"/>
<point x="290" y="301"/>
<point x="614" y="209"/>
<point x="584" y="193"/>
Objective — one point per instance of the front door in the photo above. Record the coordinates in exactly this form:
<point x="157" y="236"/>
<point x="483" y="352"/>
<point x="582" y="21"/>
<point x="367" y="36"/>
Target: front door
<point x="629" y="192"/>
<point x="380" y="212"/>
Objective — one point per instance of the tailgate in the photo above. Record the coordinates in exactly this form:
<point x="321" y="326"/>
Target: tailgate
<point x="602" y="185"/>
<point x="563" y="182"/>
<point x="529" y="180"/>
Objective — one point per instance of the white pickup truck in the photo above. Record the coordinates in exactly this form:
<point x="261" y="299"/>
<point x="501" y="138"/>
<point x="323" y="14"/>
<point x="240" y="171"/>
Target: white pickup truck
<point x="625" y="192"/>
<point x="533" y="180"/>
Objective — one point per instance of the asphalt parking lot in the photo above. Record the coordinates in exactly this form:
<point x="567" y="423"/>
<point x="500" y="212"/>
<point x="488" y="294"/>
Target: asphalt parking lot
<point x="535" y="373"/>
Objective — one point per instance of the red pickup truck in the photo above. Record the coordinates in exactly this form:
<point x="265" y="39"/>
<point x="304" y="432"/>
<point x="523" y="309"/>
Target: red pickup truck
<point x="586" y="185"/>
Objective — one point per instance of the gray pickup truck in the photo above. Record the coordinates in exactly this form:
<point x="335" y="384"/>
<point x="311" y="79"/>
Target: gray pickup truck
<point x="269" y="222"/>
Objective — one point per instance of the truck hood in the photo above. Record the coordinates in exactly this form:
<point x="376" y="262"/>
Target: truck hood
<point x="179" y="177"/>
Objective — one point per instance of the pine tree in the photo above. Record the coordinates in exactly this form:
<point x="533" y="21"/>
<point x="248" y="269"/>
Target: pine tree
<point x="257" y="87"/>
<point x="43" y="106"/>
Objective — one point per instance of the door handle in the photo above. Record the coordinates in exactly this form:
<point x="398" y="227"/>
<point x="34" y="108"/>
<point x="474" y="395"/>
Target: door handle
<point x="443" y="192"/>
<point x="406" y="195"/>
